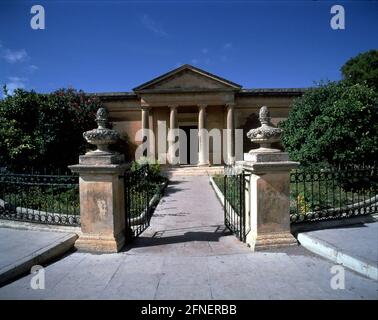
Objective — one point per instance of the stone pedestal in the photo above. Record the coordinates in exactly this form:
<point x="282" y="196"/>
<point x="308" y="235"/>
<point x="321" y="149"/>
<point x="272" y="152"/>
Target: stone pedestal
<point x="102" y="203"/>
<point x="269" y="199"/>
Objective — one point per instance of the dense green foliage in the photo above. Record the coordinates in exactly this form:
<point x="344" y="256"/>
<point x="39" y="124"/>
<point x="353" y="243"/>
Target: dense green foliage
<point x="153" y="169"/>
<point x="44" y="130"/>
<point x="46" y="199"/>
<point x="144" y="182"/>
<point x="362" y="69"/>
<point x="334" y="123"/>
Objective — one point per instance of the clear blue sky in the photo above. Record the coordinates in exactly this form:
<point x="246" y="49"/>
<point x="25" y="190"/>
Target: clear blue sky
<point x="102" y="46"/>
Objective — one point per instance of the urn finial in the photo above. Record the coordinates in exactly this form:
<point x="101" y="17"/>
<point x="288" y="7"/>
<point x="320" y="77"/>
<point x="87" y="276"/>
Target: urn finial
<point x="102" y="118"/>
<point x="102" y="137"/>
<point x="264" y="115"/>
<point x="266" y="134"/>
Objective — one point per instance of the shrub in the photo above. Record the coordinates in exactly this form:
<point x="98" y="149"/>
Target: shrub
<point x="153" y="169"/>
<point x="334" y="123"/>
<point x="45" y="130"/>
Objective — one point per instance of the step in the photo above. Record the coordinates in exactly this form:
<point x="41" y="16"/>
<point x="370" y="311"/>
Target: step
<point x="192" y="171"/>
<point x="329" y="251"/>
<point x="46" y="252"/>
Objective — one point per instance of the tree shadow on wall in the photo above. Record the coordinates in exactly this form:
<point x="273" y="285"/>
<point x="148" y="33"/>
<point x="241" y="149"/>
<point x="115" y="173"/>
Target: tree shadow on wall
<point x="253" y="122"/>
<point x="125" y="146"/>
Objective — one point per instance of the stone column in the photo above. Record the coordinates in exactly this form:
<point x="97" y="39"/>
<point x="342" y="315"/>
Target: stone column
<point x="172" y="126"/>
<point x="102" y="211"/>
<point x="230" y="134"/>
<point x="145" y="127"/>
<point x="145" y="117"/>
<point x="202" y="136"/>
<point x="269" y="189"/>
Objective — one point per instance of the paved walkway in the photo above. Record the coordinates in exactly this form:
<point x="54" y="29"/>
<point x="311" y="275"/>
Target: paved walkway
<point x="188" y="254"/>
<point x="188" y="222"/>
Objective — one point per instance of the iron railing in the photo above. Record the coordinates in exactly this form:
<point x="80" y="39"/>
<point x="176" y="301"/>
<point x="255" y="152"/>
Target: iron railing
<point x="234" y="184"/>
<point x="332" y="193"/>
<point x="40" y="197"/>
<point x="140" y="192"/>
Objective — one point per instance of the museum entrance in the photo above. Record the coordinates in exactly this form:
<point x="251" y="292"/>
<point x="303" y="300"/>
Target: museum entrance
<point x="189" y="145"/>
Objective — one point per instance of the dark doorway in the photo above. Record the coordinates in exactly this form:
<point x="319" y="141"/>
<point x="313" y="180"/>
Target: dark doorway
<point x="187" y="147"/>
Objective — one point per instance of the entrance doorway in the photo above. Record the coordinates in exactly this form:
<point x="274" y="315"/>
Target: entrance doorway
<point x="187" y="144"/>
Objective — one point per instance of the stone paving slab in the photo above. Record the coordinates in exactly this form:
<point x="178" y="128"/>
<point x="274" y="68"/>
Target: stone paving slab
<point x="263" y="275"/>
<point x="21" y="249"/>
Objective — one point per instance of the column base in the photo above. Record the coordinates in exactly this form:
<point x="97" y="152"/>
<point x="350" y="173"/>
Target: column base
<point x="100" y="244"/>
<point x="174" y="165"/>
<point x="273" y="240"/>
<point x="231" y="161"/>
<point x="203" y="165"/>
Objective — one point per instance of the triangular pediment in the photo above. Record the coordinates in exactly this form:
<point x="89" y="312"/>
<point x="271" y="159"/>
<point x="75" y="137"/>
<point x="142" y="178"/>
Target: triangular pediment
<point x="187" y="78"/>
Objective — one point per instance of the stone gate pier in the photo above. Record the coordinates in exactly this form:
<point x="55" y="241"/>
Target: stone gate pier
<point x="268" y="192"/>
<point x="102" y="205"/>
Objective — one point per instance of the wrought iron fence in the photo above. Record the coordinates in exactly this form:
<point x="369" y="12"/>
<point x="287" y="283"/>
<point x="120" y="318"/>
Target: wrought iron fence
<point x="40" y="197"/>
<point x="141" y="193"/>
<point x="332" y="193"/>
<point x="234" y="184"/>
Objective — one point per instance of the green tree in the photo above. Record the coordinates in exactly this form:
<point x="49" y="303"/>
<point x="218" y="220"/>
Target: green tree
<point x="18" y="121"/>
<point x="334" y="123"/>
<point x="44" y="130"/>
<point x="362" y="68"/>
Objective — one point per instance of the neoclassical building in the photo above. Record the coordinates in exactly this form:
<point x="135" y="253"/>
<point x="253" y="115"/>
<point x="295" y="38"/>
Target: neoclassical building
<point x="191" y="98"/>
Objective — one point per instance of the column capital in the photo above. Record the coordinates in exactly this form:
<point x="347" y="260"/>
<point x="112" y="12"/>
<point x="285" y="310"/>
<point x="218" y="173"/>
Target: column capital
<point x="145" y="108"/>
<point x="230" y="105"/>
<point x="173" y="106"/>
<point x="202" y="105"/>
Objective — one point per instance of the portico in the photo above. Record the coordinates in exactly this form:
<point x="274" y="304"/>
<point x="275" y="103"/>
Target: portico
<point x="188" y="94"/>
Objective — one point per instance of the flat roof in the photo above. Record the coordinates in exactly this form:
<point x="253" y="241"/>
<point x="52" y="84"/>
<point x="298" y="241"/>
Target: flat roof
<point x="273" y="91"/>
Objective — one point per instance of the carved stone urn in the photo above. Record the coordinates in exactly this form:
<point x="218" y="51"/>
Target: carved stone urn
<point x="101" y="137"/>
<point x="266" y="134"/>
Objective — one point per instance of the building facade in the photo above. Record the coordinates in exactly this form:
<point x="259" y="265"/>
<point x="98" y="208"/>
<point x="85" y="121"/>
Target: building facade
<point x="189" y="98"/>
